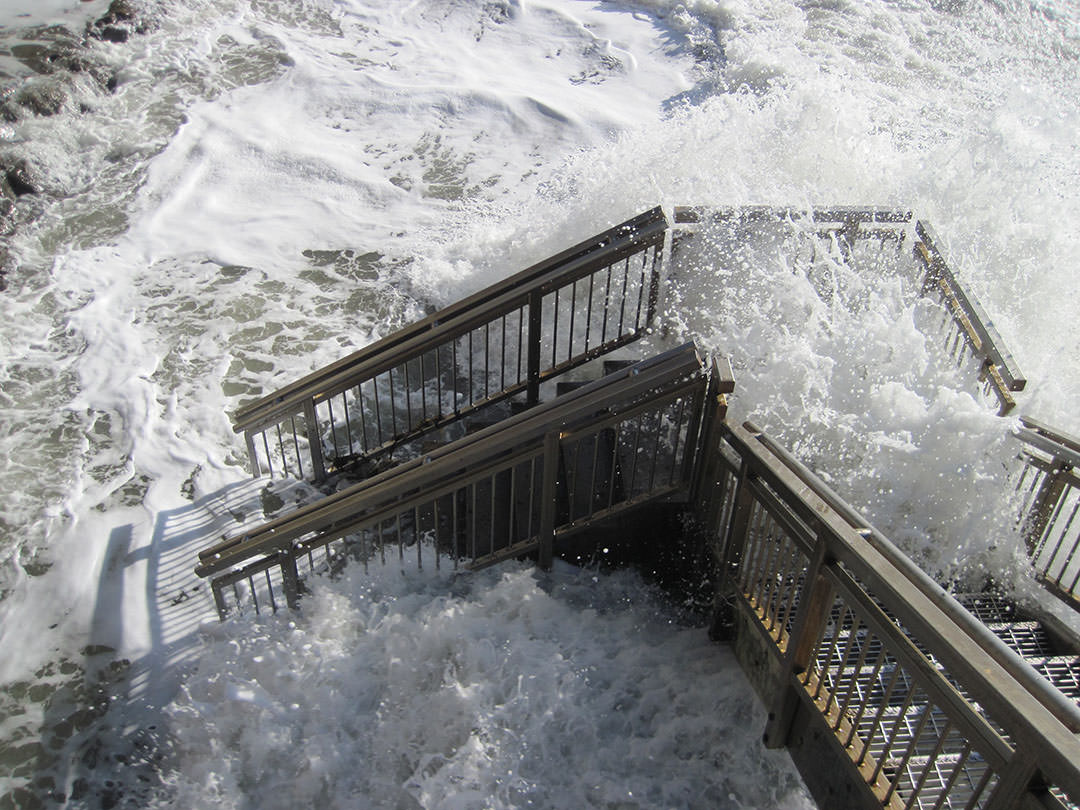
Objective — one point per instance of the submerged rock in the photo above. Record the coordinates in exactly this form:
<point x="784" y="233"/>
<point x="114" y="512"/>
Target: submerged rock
<point x="118" y="23"/>
<point x="19" y="178"/>
<point x="42" y="97"/>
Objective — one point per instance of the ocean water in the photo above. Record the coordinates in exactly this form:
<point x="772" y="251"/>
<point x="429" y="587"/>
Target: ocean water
<point x="274" y="183"/>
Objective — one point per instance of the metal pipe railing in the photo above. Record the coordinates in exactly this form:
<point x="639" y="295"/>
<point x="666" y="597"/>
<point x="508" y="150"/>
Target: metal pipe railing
<point x="502" y="341"/>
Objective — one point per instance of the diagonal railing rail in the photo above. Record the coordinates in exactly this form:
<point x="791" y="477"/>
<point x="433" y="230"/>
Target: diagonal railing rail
<point x="502" y="341"/>
<point x="875" y="668"/>
<point x="511" y="489"/>
<point x="969" y="332"/>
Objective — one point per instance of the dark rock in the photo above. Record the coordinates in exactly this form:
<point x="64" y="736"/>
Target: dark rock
<point x="42" y="97"/>
<point x="119" y="22"/>
<point x="121" y="10"/>
<point x="9" y="112"/>
<point x="20" y="178"/>
<point x="113" y="33"/>
<point x="77" y="60"/>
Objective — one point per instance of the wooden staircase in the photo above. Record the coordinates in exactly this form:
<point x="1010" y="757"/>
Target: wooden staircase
<point x="464" y="443"/>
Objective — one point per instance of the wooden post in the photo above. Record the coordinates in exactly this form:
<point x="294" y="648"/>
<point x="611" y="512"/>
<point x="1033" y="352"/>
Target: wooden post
<point x="1014" y="780"/>
<point x="532" y="396"/>
<point x="314" y="438"/>
<point x="813" y="613"/>
<point x="734" y="539"/>
<point x="290" y="578"/>
<point x="549" y="501"/>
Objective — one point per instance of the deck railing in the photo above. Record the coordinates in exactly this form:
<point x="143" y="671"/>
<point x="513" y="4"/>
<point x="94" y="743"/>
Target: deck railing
<point x="1050" y="510"/>
<point x="968" y="331"/>
<point x="502" y="341"/>
<point x="848" y="224"/>
<point x="921" y="709"/>
<point x="511" y="489"/>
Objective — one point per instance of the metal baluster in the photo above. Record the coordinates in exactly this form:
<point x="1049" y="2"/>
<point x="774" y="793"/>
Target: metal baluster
<point x="348" y="426"/>
<point x="532" y="493"/>
<point x="254" y="597"/>
<point x="454" y="373"/>
<point x="363" y="419"/>
<point x="614" y="463"/>
<point x="454" y="526"/>
<point x="408" y="398"/>
<point x="472" y="377"/>
<point x="573" y="313"/>
<point x="845" y="660"/>
<point x="521" y="340"/>
<point x="473" y="533"/>
<point x="592" y="477"/>
<point x="296" y="446"/>
<point x="633" y="467"/>
<point x="423" y="388"/>
<point x="656" y="449"/>
<point x="491" y="533"/>
<point x="958" y="768"/>
<point x="929" y="766"/>
<point x="438" y="382"/>
<point x="269" y="460"/>
<point x="976" y="795"/>
<point x="900" y="718"/>
<point x="400" y="538"/>
<point x="555" y="330"/>
<point x="622" y="299"/>
<point x="281" y="447"/>
<point x="417" y="536"/>
<point x="833" y="643"/>
<point x="435" y="531"/>
<point x="588" y="317"/>
<point x="270" y="591"/>
<point x="641" y="290"/>
<point x="333" y="429"/>
<point x="678" y="439"/>
<point x="607" y="303"/>
<point x="864" y="648"/>
<point x="511" y="528"/>
<point x="393" y="406"/>
<point x="502" y="354"/>
<point x="378" y="417"/>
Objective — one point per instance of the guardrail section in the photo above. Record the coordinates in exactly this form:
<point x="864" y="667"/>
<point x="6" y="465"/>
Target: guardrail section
<point x="1050" y="490"/>
<point x="860" y="667"/>
<point x="968" y="331"/>
<point x="502" y="341"/>
<point x="511" y="489"/>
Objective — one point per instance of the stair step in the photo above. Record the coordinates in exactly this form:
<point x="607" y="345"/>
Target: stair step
<point x="566" y="386"/>
<point x="988" y="608"/>
<point x="1063" y="671"/>
<point x="1027" y="638"/>
<point x="611" y="366"/>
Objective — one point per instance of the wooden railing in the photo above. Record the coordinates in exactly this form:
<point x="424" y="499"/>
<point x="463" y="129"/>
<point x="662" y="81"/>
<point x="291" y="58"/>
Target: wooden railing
<point x="865" y="666"/>
<point x="502" y="341"/>
<point x="1050" y="510"/>
<point x="969" y="331"/>
<point x="509" y="490"/>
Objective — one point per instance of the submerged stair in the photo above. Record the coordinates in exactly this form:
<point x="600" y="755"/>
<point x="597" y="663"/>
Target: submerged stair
<point x="460" y="442"/>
